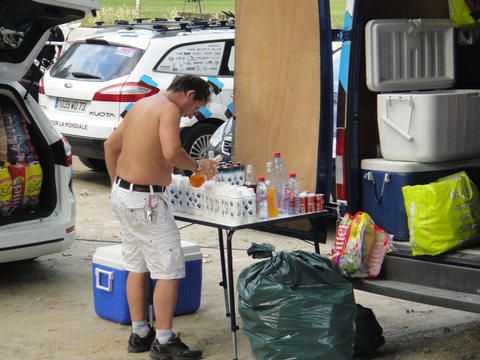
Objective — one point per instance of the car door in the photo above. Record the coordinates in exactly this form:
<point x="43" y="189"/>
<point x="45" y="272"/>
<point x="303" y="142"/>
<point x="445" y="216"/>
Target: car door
<point x="24" y="29"/>
<point x="214" y="61"/>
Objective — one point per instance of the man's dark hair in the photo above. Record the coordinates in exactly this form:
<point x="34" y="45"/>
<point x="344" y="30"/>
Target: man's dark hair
<point x="188" y="82"/>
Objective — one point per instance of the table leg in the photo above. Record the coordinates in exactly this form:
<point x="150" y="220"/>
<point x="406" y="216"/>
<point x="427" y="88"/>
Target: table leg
<point x="231" y="289"/>
<point x="223" y="283"/>
<point x="319" y="230"/>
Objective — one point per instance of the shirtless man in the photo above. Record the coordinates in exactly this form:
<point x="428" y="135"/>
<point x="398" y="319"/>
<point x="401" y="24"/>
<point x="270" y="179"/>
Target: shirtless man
<point x="140" y="156"/>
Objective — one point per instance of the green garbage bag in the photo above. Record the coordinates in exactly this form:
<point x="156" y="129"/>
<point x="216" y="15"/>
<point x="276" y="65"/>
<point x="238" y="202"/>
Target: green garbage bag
<point x="297" y="306"/>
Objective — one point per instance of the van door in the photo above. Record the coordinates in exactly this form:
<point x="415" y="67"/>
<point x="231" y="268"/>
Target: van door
<point x="25" y="25"/>
<point x="283" y="88"/>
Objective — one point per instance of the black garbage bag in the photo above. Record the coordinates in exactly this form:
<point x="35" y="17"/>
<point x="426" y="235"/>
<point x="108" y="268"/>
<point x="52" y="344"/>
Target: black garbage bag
<point x="297" y="306"/>
<point x="369" y="333"/>
<point x="260" y="251"/>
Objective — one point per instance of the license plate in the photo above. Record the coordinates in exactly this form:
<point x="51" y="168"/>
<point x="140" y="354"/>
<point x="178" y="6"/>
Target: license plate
<point x="70" y="105"/>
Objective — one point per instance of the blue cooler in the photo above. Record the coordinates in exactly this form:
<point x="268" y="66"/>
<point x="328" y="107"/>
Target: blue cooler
<point x="109" y="279"/>
<point x="382" y="182"/>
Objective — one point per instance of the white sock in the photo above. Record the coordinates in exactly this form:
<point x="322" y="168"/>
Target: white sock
<point x="163" y="336"/>
<point x="140" y="328"/>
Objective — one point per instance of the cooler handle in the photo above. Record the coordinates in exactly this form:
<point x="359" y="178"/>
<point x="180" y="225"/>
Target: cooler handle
<point x="98" y="273"/>
<point x="394" y="126"/>
<point x="397" y="128"/>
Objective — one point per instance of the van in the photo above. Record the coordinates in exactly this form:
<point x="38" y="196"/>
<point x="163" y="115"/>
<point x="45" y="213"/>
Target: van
<point x="37" y="212"/>
<point x="384" y="81"/>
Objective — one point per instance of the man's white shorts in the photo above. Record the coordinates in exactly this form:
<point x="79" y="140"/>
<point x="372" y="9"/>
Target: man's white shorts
<point x="151" y="243"/>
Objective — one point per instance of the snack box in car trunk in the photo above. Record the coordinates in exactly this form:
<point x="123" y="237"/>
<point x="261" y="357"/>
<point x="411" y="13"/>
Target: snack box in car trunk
<point x="404" y="57"/>
<point x="109" y="279"/>
<point x="382" y="182"/>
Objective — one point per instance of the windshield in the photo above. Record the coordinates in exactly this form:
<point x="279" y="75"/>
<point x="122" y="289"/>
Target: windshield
<point x="96" y="62"/>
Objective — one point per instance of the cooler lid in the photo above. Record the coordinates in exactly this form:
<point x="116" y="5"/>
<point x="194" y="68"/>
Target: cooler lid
<point x="111" y="255"/>
<point x="406" y="54"/>
<point x="383" y="165"/>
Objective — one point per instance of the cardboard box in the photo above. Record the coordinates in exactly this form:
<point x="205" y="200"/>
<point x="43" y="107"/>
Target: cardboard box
<point x="109" y="279"/>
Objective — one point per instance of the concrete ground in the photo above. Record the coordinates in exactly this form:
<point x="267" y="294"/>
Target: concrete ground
<point x="47" y="306"/>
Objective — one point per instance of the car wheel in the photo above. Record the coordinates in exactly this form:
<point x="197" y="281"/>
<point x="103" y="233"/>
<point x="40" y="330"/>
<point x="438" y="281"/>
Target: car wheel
<point x="94" y="164"/>
<point x="195" y="143"/>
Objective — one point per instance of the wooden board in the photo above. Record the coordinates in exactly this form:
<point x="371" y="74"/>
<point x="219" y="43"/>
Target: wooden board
<point x="277" y="85"/>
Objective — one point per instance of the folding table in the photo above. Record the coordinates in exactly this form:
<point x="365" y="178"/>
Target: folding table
<point x="318" y="231"/>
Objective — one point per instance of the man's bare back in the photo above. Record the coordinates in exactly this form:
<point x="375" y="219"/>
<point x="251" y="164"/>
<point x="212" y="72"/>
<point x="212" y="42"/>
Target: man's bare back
<point x="146" y="146"/>
<point x="141" y="160"/>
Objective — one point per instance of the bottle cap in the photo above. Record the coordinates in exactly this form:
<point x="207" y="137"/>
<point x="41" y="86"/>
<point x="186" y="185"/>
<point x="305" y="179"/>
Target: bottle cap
<point x="293" y="175"/>
<point x="277" y="154"/>
<point x="261" y="178"/>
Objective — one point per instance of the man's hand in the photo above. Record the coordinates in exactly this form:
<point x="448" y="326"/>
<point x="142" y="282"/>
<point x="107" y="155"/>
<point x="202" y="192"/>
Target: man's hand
<point x="209" y="167"/>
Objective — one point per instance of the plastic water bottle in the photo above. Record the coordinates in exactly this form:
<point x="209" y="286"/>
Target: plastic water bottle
<point x="279" y="181"/>
<point x="262" y="199"/>
<point x="250" y="178"/>
<point x="293" y="195"/>
<point x="268" y="176"/>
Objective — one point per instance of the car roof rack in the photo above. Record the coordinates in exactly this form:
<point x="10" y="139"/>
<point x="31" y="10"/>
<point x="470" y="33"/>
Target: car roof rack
<point x="161" y="24"/>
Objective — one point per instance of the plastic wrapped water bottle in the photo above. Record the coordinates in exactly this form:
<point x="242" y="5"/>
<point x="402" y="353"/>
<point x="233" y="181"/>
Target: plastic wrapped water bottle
<point x="279" y="180"/>
<point x="250" y="178"/>
<point x="293" y="195"/>
<point x="262" y="199"/>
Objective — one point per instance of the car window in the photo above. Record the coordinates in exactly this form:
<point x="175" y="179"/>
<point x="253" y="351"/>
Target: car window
<point x="96" y="62"/>
<point x="231" y="61"/>
<point x="203" y="59"/>
<point x="228" y="63"/>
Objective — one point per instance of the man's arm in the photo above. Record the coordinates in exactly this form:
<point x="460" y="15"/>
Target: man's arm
<point x="172" y="146"/>
<point x="113" y="147"/>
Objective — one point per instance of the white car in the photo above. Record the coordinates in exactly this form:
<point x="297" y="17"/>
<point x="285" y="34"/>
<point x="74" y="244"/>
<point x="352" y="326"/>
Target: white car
<point x="37" y="206"/>
<point x="88" y="91"/>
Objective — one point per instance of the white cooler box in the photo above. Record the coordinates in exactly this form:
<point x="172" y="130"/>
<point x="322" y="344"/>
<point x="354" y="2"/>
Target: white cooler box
<point x="431" y="126"/>
<point x="422" y="126"/>
<point x="109" y="279"/>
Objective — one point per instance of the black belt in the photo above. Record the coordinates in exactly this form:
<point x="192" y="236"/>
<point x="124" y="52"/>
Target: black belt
<point x="142" y="188"/>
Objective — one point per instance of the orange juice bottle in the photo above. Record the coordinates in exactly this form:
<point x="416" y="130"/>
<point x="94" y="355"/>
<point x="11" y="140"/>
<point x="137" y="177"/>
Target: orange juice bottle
<point x="197" y="179"/>
<point x="272" y="202"/>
